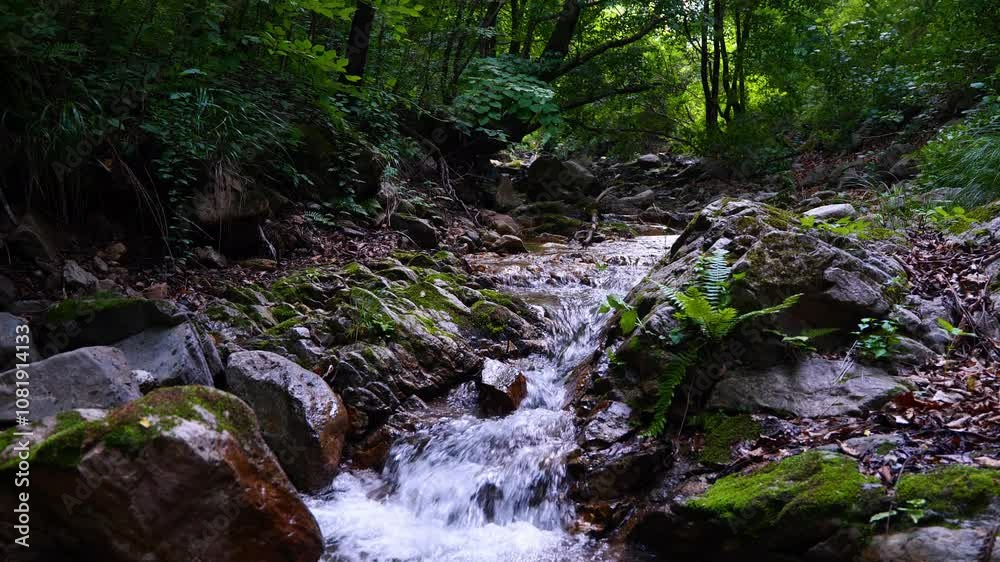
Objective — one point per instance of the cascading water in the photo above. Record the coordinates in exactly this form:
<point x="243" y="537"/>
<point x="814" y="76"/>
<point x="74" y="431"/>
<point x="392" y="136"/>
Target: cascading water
<point x="470" y="489"/>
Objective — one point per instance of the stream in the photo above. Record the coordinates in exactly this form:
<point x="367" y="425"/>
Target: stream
<point x="467" y="488"/>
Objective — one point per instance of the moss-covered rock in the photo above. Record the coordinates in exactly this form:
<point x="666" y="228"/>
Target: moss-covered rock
<point x="953" y="491"/>
<point x="106" y="318"/>
<point x="797" y="491"/>
<point x="722" y="432"/>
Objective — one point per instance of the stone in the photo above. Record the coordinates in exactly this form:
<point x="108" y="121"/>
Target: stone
<point x="547" y="238"/>
<point x="501" y="223"/>
<point x="508" y="244"/>
<point x="179" y="475"/>
<point x="11" y="327"/>
<point x="78" y="278"/>
<point x="114" y="252"/>
<point x="807" y="388"/>
<point x="421" y="232"/>
<point x="225" y="205"/>
<point x="77" y="323"/>
<point x="34" y="239"/>
<point x="156" y="291"/>
<point x="613" y="472"/>
<point x="100" y="265"/>
<point x="610" y="424"/>
<point x="833" y="212"/>
<point x="632" y="205"/>
<point x="173" y="355"/>
<point x="306" y="351"/>
<point x="553" y="179"/>
<point x="505" y="198"/>
<point x="648" y="161"/>
<point x="210" y="257"/>
<point x="8" y="292"/>
<point x="91" y="377"/>
<point x="501" y="388"/>
<point x="260" y="264"/>
<point x="301" y="418"/>
<point x="932" y="544"/>
<point x="906" y="168"/>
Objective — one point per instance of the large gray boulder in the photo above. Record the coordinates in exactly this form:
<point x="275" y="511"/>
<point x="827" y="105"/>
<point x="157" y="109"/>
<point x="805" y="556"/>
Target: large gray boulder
<point x="419" y="230"/>
<point x="174" y="356"/>
<point x="933" y="544"/>
<point x="832" y="212"/>
<point x="179" y="475"/>
<point x="553" y="179"/>
<point x="808" y="388"/>
<point x="104" y="320"/>
<point x="301" y="418"/>
<point x="91" y="377"/>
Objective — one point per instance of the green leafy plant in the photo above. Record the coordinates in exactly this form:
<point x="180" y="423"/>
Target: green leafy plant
<point x="803" y="341"/>
<point x="628" y="319"/>
<point x="707" y="317"/>
<point x="953" y="220"/>
<point x="846" y="226"/>
<point x="877" y="338"/>
<point x="914" y="509"/>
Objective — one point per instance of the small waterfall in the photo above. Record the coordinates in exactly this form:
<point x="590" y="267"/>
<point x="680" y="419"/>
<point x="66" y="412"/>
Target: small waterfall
<point x="472" y="489"/>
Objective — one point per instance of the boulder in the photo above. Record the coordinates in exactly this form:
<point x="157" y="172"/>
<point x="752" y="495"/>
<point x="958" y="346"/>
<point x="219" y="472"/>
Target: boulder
<point x="501" y="387"/>
<point x="104" y="320"/>
<point x="301" y="418"/>
<point x="34" y="239"/>
<point x="833" y="212"/>
<point x="508" y="244"/>
<point x="419" y="230"/>
<point x="179" y="475"/>
<point x="10" y="329"/>
<point x="505" y="198"/>
<point x="8" y="292"/>
<point x="631" y="205"/>
<point x="91" y="377"/>
<point x="648" y="161"/>
<point x="933" y="544"/>
<point x="501" y="223"/>
<point x="78" y="278"/>
<point x="610" y="424"/>
<point x="808" y="388"/>
<point x="174" y="355"/>
<point x="553" y="179"/>
<point x="620" y="469"/>
<point x="210" y="257"/>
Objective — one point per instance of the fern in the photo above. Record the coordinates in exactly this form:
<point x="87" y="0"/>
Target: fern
<point x="704" y="311"/>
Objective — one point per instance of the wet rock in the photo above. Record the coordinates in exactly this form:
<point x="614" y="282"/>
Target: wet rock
<point x="618" y="470"/>
<point x="501" y="388"/>
<point x="808" y="388"/>
<point x="508" y="244"/>
<point x="301" y="418"/>
<point x="833" y="212"/>
<point x="609" y="425"/>
<point x="657" y="215"/>
<point x="505" y="198"/>
<point x="419" y="230"/>
<point x="77" y="278"/>
<point x="210" y="257"/>
<point x="180" y="475"/>
<point x="173" y="355"/>
<point x="92" y="377"/>
<point x="932" y="544"/>
<point x="306" y="351"/>
<point x="631" y="205"/>
<point x="648" y="161"/>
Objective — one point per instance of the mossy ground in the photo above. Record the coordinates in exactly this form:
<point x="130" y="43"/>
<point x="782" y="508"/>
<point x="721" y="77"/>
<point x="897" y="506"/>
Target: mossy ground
<point x="71" y="309"/>
<point x="795" y="491"/>
<point x="953" y="490"/>
<point x="722" y="432"/>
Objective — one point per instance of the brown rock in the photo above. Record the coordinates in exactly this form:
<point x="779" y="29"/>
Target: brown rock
<point x="501" y="388"/>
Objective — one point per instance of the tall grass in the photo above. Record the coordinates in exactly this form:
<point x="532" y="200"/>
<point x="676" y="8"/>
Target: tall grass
<point x="966" y="156"/>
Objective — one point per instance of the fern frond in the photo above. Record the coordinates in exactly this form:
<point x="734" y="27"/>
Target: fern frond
<point x="672" y="376"/>
<point x="786" y="304"/>
<point x="714" y="273"/>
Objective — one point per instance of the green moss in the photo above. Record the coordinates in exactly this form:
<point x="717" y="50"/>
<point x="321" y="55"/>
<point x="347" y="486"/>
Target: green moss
<point x="451" y="279"/>
<point x="71" y="309"/>
<point x="426" y="295"/>
<point x="953" y="490"/>
<point x="619" y="228"/>
<point x="498" y="297"/>
<point x="292" y="288"/>
<point x="492" y="318"/>
<point x="282" y="327"/>
<point x="6" y="438"/>
<point x="796" y="491"/>
<point x="557" y="224"/>
<point x="414" y="259"/>
<point x="247" y="295"/>
<point x="722" y="432"/>
<point x="885" y="448"/>
<point x="130" y="428"/>
<point x="283" y="312"/>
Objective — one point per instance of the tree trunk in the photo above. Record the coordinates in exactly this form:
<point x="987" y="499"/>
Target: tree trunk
<point x="562" y="34"/>
<point x="515" y="27"/>
<point x="488" y="41"/>
<point x="359" y="38"/>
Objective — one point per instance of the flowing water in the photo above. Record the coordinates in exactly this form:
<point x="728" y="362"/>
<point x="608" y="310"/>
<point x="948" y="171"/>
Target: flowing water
<point x="465" y="488"/>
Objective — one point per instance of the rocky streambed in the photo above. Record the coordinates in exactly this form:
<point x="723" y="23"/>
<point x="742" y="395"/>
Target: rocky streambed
<point x="425" y="406"/>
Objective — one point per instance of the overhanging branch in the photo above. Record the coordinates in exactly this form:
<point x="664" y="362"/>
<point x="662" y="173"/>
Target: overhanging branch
<point x="601" y="49"/>
<point x="634" y="89"/>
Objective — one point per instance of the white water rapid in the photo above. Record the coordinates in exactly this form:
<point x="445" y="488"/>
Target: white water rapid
<point x="466" y="488"/>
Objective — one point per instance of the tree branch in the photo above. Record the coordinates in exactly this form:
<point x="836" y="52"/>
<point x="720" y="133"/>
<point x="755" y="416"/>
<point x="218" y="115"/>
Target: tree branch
<point x="600" y="50"/>
<point x="635" y="89"/>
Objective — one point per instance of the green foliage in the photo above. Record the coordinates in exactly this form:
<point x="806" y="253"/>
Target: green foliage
<point x="914" y="509"/>
<point x="706" y="318"/>
<point x="966" y="155"/>
<point x="952" y="220"/>
<point x="503" y="88"/>
<point x="876" y="338"/>
<point x="846" y="226"/>
<point x="628" y="318"/>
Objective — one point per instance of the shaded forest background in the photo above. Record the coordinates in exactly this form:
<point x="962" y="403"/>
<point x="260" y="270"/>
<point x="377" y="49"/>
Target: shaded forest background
<point x="154" y="112"/>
